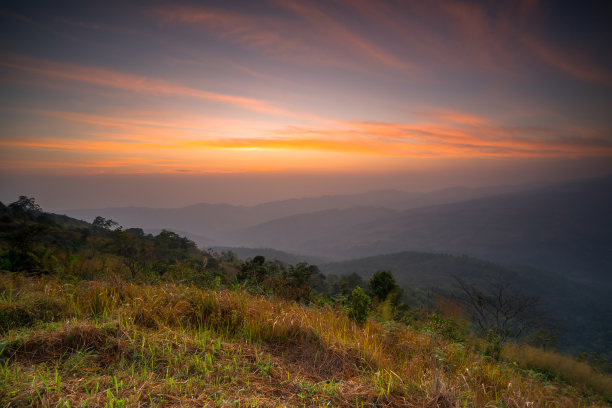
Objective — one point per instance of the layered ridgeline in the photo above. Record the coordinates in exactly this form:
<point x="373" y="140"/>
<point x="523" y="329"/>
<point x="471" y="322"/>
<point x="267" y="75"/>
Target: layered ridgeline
<point x="565" y="228"/>
<point x="215" y="224"/>
<point x="95" y="315"/>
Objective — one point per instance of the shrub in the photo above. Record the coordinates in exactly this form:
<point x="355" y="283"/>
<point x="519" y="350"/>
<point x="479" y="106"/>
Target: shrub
<point x="382" y="284"/>
<point x="359" y="305"/>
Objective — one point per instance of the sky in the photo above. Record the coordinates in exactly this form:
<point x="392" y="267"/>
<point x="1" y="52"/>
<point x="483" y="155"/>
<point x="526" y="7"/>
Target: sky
<point x="166" y="103"/>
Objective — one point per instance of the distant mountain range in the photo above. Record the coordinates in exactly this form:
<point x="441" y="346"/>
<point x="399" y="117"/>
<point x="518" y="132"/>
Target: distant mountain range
<point x="565" y="227"/>
<point x="208" y="219"/>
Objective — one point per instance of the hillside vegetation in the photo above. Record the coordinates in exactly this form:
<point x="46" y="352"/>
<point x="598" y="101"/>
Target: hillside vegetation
<point x="583" y="312"/>
<point x="109" y="342"/>
<point x="92" y="315"/>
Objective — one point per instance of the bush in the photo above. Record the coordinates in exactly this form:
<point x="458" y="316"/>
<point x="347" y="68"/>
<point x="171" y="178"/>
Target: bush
<point x="359" y="305"/>
<point x="382" y="284"/>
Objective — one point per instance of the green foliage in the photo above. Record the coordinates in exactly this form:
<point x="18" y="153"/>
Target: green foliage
<point x="446" y="328"/>
<point x="25" y="208"/>
<point x="494" y="345"/>
<point x="358" y="306"/>
<point x="382" y="285"/>
<point x="255" y="270"/>
<point x="343" y="284"/>
<point x="290" y="282"/>
<point x="34" y="242"/>
<point x="103" y="223"/>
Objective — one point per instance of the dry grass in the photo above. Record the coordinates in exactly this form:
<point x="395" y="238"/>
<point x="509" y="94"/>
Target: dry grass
<point x="114" y="343"/>
<point x="557" y="365"/>
<point x="45" y="345"/>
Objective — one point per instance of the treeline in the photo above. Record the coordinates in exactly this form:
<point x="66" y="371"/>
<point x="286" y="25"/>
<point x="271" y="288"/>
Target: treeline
<point x="35" y="242"/>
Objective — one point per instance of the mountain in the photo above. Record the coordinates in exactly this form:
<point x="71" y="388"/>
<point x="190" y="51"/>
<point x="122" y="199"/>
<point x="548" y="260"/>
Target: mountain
<point x="302" y="233"/>
<point x="565" y="227"/>
<point x="214" y="220"/>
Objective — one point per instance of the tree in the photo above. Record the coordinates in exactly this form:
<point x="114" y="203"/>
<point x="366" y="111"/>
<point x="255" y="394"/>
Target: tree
<point x="359" y="305"/>
<point x="22" y="255"/>
<point x="382" y="284"/>
<point x="25" y="206"/>
<point x="131" y="248"/>
<point x="501" y="310"/>
<point x="103" y="223"/>
<point x="254" y="270"/>
<point x="344" y="284"/>
<point x="297" y="279"/>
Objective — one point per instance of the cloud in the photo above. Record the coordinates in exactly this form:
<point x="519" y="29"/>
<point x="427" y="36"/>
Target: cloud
<point x="445" y="134"/>
<point x="273" y="36"/>
<point x="457" y="137"/>
<point x="459" y="35"/>
<point x="465" y="34"/>
<point x="335" y="31"/>
<point x="146" y="121"/>
<point x="573" y="64"/>
<point x="315" y="38"/>
<point x="140" y="84"/>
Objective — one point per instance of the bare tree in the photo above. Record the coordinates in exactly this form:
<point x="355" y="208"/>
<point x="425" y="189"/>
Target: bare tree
<point x="501" y="308"/>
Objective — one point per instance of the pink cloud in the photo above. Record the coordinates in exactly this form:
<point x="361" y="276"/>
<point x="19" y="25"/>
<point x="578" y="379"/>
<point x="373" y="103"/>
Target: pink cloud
<point x="139" y="84"/>
<point x="571" y="63"/>
<point x="316" y="38"/>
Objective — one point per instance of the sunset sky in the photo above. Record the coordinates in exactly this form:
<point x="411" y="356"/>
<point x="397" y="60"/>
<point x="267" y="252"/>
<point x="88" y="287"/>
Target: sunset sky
<point x="336" y="96"/>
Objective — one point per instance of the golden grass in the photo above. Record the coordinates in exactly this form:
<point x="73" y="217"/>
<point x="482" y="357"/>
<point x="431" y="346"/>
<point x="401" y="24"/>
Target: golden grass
<point x="565" y="367"/>
<point x="169" y="344"/>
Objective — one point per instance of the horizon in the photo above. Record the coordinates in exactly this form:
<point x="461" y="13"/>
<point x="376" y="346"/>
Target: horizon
<point x="46" y="200"/>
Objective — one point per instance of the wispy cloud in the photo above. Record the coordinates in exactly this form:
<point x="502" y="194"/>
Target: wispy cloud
<point x="465" y="34"/>
<point x="141" y="84"/>
<point x="314" y="38"/>
<point x="336" y="31"/>
<point x="458" y="34"/>
<point x="448" y="134"/>
<point x="272" y="36"/>
<point x="574" y="64"/>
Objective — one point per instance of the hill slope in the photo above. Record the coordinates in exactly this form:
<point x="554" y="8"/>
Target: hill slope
<point x="583" y="312"/>
<point x="116" y="343"/>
